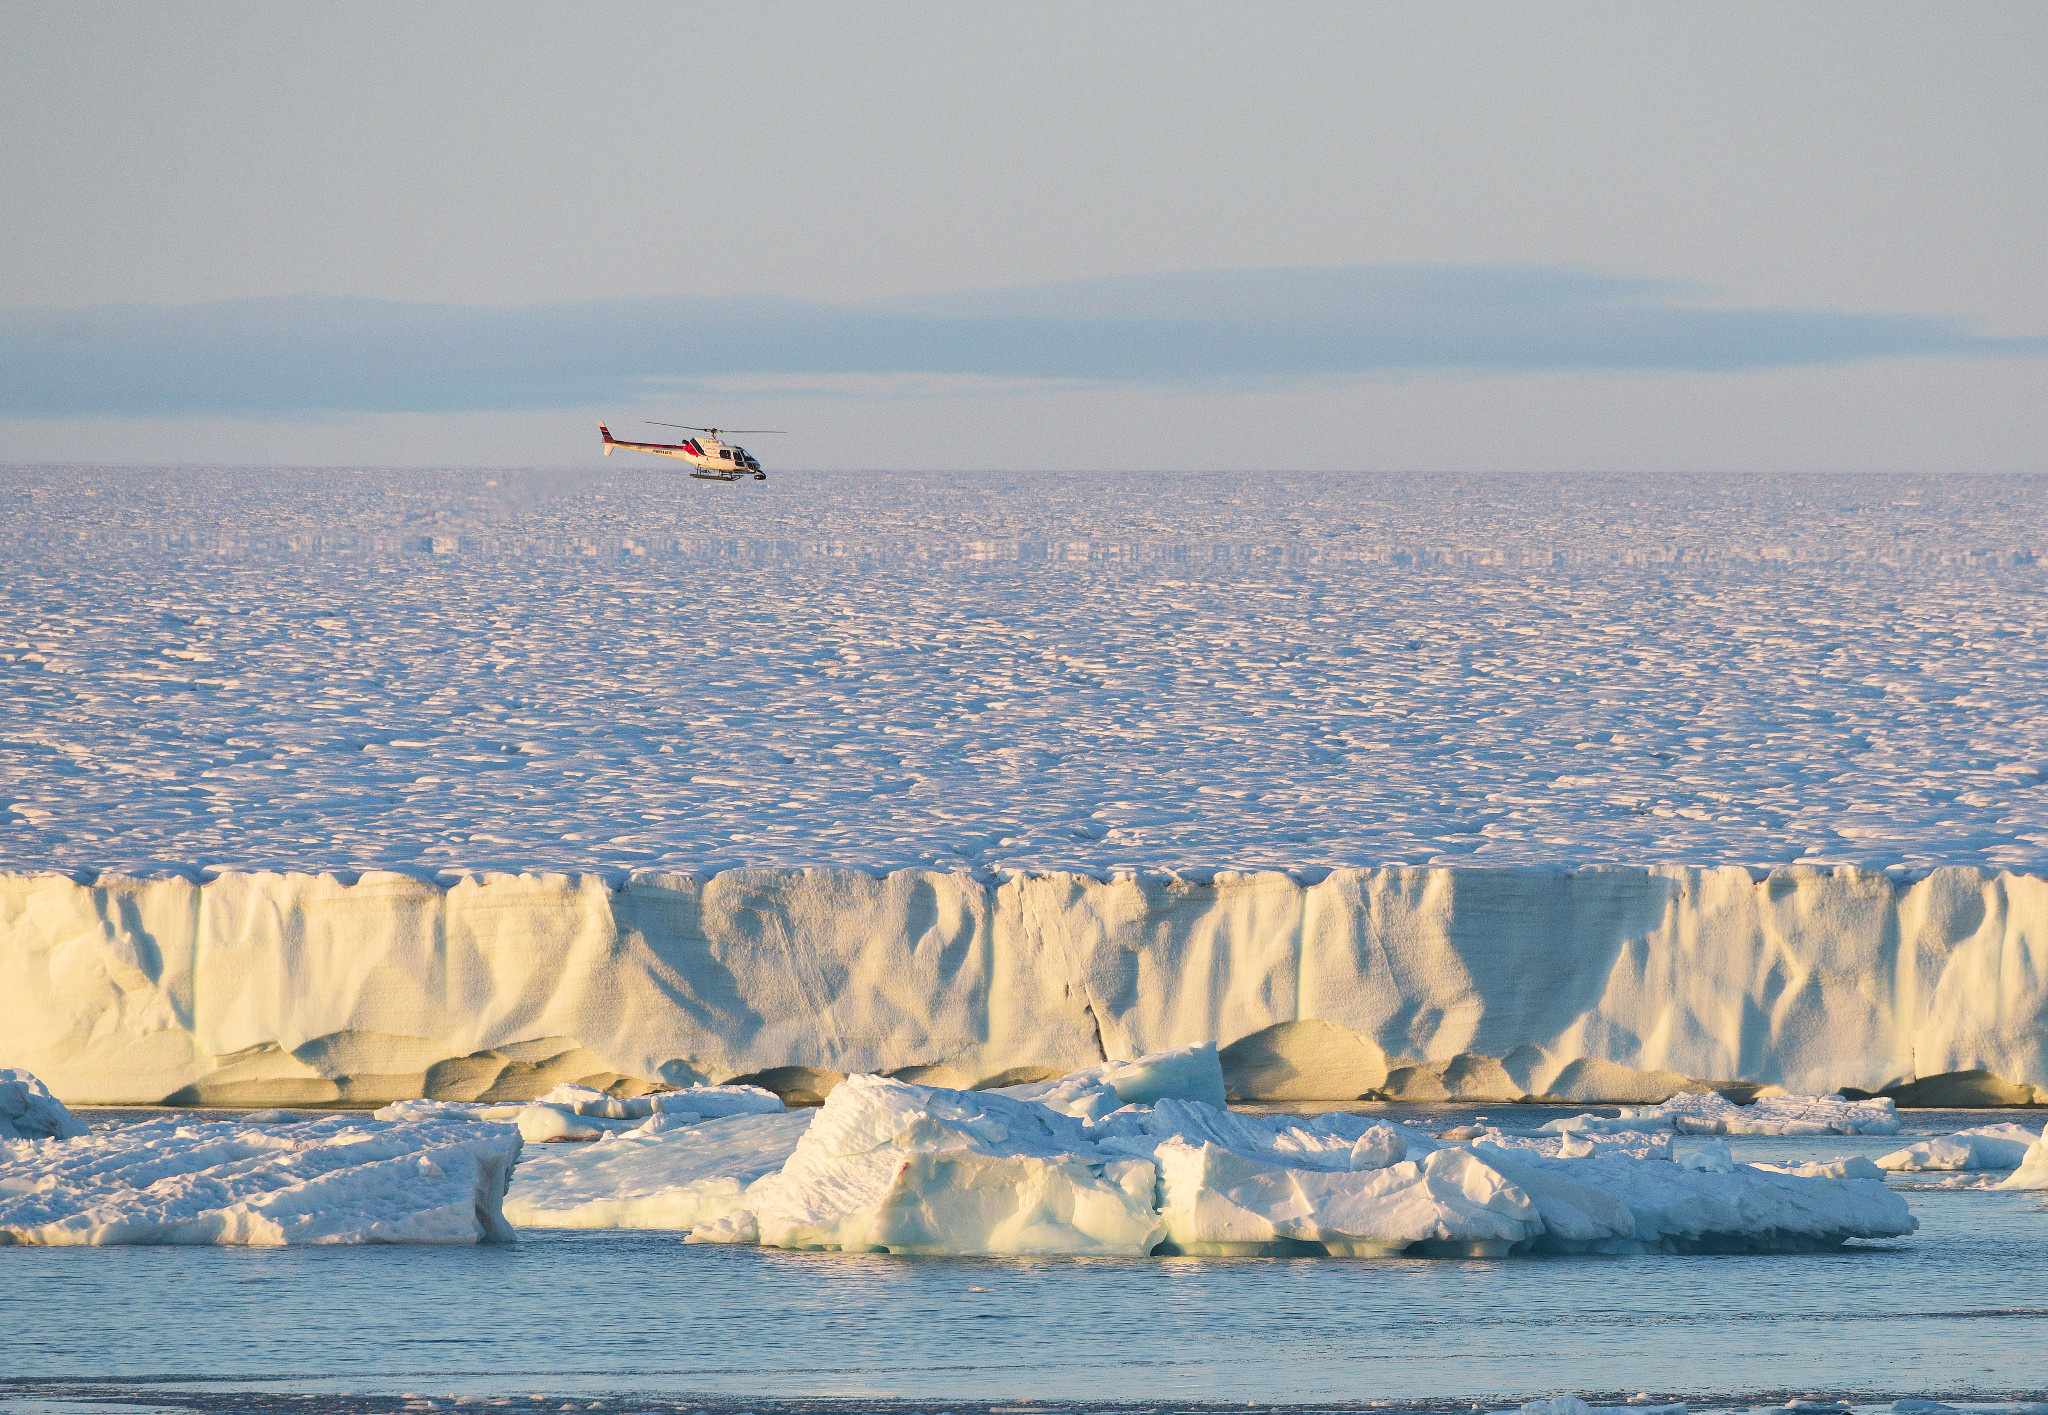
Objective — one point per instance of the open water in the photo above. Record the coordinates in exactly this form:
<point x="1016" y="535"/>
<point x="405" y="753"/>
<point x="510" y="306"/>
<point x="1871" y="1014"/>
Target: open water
<point x="638" y="1320"/>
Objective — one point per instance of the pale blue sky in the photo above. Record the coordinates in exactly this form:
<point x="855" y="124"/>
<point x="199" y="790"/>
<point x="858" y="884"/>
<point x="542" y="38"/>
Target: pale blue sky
<point x="1564" y="236"/>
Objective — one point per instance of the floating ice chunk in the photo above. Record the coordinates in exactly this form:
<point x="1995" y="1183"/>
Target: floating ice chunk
<point x="678" y="1178"/>
<point x="1746" y="1210"/>
<point x="1578" y="1144"/>
<point x="1984" y="1147"/>
<point x="891" y="1166"/>
<point x="1379" y="1147"/>
<point x="1216" y="1200"/>
<point x="706" y="1101"/>
<point x="29" y="1112"/>
<point x="1714" y="1157"/>
<point x="2033" y="1170"/>
<point x="337" y="1179"/>
<point x="1557" y="1405"/>
<point x="1189" y="1073"/>
<point x="1572" y="1405"/>
<point x="1854" y="1167"/>
<point x="1709" y="1113"/>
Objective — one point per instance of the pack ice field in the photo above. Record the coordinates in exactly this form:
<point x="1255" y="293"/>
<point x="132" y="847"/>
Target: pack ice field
<point x="364" y="669"/>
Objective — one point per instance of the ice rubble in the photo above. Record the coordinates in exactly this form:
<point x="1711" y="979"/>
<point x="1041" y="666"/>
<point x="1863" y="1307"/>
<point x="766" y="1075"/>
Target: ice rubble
<point x="337" y="1179"/>
<point x="29" y="1112"/>
<point x="888" y="1165"/>
<point x="2002" y="1146"/>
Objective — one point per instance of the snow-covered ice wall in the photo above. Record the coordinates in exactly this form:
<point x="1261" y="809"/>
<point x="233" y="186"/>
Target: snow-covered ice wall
<point x="276" y="988"/>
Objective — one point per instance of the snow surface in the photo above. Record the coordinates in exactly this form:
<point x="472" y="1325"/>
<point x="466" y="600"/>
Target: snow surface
<point x="678" y="1178"/>
<point x="2002" y="1146"/>
<point x="29" y="1112"/>
<point x="338" y="1179"/>
<point x="515" y="670"/>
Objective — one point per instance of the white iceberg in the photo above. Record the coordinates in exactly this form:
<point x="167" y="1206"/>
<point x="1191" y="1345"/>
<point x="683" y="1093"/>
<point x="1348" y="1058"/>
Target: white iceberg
<point x="29" y="1112"/>
<point x="2001" y="1146"/>
<point x="338" y="1179"/>
<point x="678" y="1178"/>
<point x="2033" y="1170"/>
<point x="1676" y="1209"/>
<point x="889" y="1166"/>
<point x="1710" y="1113"/>
<point x="913" y="1169"/>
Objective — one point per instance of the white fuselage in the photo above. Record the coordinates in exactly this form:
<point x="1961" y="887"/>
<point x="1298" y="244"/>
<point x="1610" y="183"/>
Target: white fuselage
<point x="712" y="459"/>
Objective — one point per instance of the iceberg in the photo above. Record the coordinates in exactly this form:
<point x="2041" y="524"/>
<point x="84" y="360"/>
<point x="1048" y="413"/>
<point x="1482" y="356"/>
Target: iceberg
<point x="2002" y="1146"/>
<point x="29" y="1112"/>
<point x="887" y="1166"/>
<point x="1676" y="1209"/>
<point x="1709" y="1113"/>
<point x="2033" y="1169"/>
<point x="892" y="1166"/>
<point x="337" y="1179"/>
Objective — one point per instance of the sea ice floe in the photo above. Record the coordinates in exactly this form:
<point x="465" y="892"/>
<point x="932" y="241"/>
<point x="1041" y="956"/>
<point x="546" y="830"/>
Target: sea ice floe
<point x="29" y="1112"/>
<point x="2002" y="1146"/>
<point x="892" y="1166"/>
<point x="336" y="1179"/>
<point x="1709" y="1113"/>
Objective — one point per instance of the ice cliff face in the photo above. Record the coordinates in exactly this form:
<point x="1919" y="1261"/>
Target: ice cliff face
<point x="1604" y="984"/>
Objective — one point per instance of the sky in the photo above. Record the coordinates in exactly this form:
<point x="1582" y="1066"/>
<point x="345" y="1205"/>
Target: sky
<point x="1379" y="237"/>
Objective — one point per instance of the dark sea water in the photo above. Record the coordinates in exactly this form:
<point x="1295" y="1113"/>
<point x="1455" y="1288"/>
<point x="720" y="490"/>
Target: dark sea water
<point x="641" y="1321"/>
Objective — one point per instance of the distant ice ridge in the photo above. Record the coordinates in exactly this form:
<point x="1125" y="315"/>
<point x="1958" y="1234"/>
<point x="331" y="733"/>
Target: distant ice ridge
<point x="1708" y="1113"/>
<point x="338" y="1179"/>
<point x="571" y="1112"/>
<point x="1601" y="985"/>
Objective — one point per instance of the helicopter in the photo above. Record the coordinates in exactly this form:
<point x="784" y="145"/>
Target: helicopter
<point x="709" y="458"/>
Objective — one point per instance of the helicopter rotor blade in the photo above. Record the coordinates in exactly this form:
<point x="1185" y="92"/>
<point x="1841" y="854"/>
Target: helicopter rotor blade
<point x="714" y="431"/>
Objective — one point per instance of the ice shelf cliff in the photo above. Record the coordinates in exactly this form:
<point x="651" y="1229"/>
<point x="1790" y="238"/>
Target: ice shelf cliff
<point x="1611" y="984"/>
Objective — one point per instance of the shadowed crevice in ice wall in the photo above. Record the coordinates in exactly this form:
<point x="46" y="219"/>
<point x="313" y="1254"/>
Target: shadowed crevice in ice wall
<point x="1600" y="984"/>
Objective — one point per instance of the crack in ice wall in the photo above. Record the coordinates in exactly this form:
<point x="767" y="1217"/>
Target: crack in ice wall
<point x="279" y="988"/>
